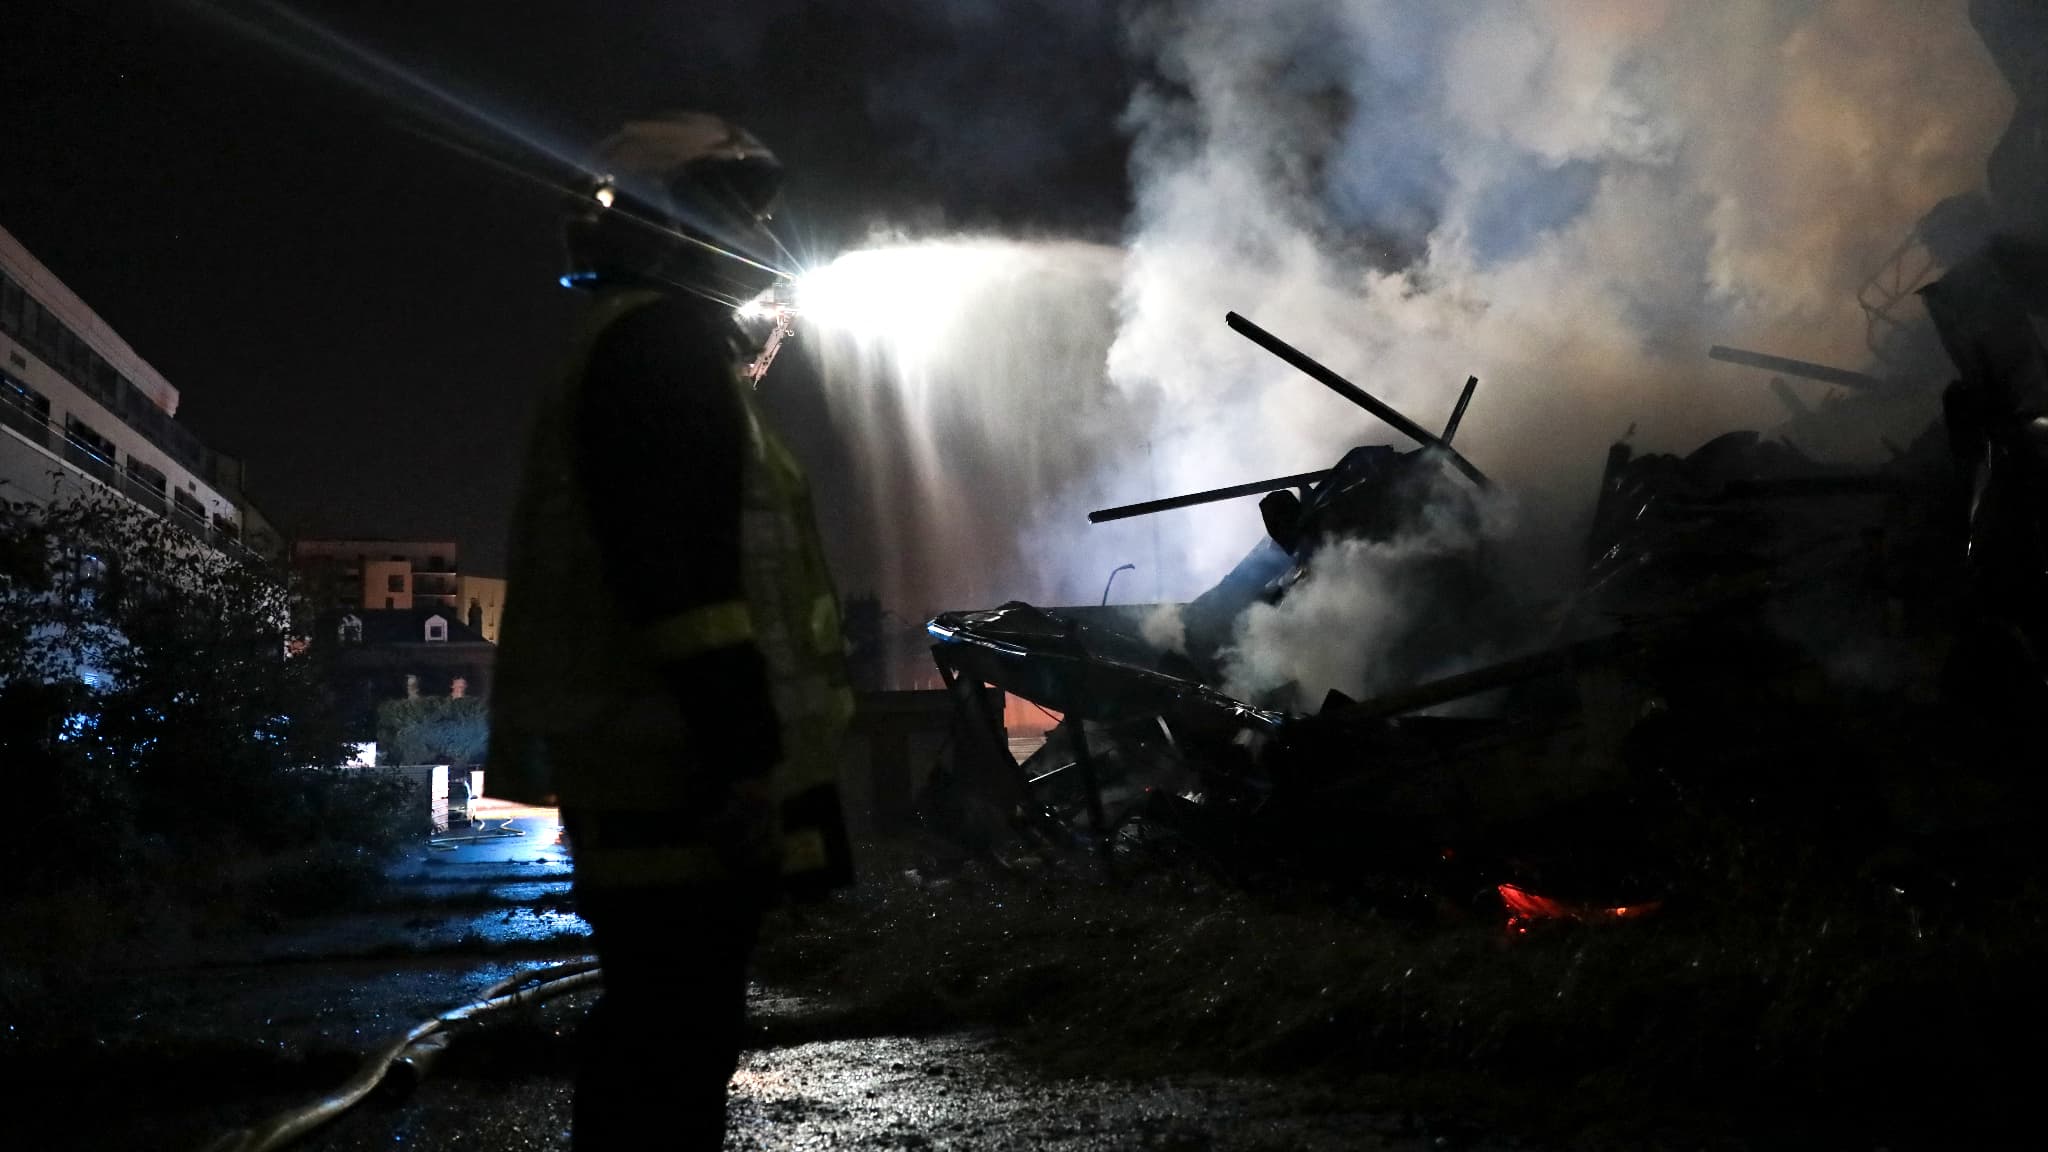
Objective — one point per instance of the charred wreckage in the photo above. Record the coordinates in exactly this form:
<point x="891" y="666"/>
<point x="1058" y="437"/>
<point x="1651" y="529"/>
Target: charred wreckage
<point x="1844" y="659"/>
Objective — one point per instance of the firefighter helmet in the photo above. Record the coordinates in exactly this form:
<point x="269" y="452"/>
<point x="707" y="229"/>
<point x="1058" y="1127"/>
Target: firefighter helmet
<point x="667" y="189"/>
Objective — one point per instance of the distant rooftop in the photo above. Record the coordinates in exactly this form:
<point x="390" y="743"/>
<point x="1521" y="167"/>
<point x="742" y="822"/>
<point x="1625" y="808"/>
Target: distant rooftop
<point x="389" y="626"/>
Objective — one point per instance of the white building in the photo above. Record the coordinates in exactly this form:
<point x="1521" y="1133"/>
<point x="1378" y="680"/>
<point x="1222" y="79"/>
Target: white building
<point x="79" y="410"/>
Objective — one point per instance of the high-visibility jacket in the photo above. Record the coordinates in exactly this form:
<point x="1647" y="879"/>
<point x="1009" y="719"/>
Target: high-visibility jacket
<point x="581" y="712"/>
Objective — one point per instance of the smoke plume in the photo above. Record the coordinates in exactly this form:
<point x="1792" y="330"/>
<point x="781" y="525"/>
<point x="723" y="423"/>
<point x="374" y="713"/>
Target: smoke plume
<point x="1571" y="200"/>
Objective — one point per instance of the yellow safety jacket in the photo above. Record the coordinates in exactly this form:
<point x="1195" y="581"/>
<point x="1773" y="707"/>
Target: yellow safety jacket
<point x="581" y="714"/>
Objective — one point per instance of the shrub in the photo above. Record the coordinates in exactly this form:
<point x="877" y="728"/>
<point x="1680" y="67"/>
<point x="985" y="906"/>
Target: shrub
<point x="451" y="730"/>
<point x="152" y="725"/>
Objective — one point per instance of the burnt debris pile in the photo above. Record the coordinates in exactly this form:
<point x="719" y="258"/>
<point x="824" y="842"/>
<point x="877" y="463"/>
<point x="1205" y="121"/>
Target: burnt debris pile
<point x="1761" y="656"/>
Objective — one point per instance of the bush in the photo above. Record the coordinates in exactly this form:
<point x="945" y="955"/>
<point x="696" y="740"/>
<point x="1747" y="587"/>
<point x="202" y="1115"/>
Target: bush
<point x="447" y="730"/>
<point x="153" y="726"/>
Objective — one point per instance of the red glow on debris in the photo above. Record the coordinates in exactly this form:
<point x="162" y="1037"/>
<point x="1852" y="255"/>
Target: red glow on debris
<point x="1525" y="907"/>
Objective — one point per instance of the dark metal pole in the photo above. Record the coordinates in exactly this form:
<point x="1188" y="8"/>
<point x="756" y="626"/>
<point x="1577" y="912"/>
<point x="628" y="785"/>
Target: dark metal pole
<point x="1807" y="369"/>
<point x="1168" y="503"/>
<point x="1107" y="584"/>
<point x="1098" y="818"/>
<point x="1500" y="675"/>
<point x="1458" y="413"/>
<point x="1352" y="392"/>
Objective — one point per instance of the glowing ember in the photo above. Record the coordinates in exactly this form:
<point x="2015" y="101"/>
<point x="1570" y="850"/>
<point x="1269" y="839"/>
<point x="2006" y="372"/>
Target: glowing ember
<point x="1525" y="907"/>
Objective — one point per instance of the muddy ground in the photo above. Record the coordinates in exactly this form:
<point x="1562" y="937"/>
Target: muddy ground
<point x="1061" y="1010"/>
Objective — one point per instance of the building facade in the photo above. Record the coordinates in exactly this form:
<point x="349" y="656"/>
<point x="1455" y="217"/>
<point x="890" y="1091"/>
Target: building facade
<point x="372" y="575"/>
<point x="378" y="575"/>
<point x="380" y="655"/>
<point x="80" y="412"/>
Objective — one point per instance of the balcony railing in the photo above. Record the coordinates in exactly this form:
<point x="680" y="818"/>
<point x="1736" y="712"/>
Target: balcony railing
<point x="91" y="461"/>
<point x="24" y="419"/>
<point x="34" y="425"/>
<point x="193" y="520"/>
<point x="150" y="496"/>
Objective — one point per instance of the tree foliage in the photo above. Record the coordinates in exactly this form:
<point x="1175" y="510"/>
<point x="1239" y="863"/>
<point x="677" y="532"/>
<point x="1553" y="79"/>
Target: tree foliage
<point x="150" y="716"/>
<point x="451" y="730"/>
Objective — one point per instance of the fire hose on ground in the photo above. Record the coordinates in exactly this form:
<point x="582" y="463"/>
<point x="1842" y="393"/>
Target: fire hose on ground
<point x="411" y="1055"/>
<point x="503" y="831"/>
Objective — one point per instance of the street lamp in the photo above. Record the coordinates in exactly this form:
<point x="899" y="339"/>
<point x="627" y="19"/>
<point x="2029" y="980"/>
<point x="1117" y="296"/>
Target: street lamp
<point x="1112" y="580"/>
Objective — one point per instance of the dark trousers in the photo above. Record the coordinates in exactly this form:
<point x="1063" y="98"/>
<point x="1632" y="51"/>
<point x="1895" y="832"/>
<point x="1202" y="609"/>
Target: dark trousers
<point x="664" y="1038"/>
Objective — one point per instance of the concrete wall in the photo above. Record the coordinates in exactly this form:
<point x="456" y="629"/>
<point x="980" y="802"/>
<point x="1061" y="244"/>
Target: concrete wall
<point x="378" y="577"/>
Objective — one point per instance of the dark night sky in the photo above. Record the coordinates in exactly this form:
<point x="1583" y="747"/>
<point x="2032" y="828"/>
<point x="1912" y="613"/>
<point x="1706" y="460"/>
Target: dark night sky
<point x="366" y="316"/>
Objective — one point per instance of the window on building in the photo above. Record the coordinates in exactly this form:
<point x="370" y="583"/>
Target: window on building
<point x="395" y="582"/>
<point x="147" y="475"/>
<point x="145" y="483"/>
<point x="62" y="345"/>
<point x="71" y="358"/>
<point x="437" y="629"/>
<point x="143" y="412"/>
<point x="23" y="406"/>
<point x="11" y="297"/>
<point x="83" y="435"/>
<point x="188" y="504"/>
<point x="107" y="384"/>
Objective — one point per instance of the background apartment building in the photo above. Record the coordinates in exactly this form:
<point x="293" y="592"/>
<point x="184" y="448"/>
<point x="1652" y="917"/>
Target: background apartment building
<point x="359" y="575"/>
<point x="81" y="411"/>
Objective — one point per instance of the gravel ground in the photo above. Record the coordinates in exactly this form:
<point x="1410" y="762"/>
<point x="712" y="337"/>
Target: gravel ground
<point x="948" y="1091"/>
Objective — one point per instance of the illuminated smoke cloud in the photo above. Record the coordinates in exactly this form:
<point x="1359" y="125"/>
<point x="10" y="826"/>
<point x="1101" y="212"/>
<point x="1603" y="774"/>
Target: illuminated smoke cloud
<point x="1571" y="200"/>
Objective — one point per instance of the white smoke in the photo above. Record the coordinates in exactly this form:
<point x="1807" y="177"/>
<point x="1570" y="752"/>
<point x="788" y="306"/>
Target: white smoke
<point x="1331" y="631"/>
<point x="1369" y="615"/>
<point x="1570" y="199"/>
<point x="1165" y="628"/>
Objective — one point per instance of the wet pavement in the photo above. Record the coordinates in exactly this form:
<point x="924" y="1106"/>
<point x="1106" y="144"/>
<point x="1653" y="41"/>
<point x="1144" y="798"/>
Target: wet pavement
<point x="255" y="1024"/>
<point x="502" y="883"/>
